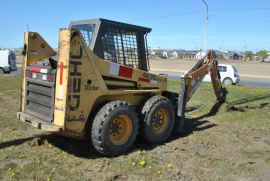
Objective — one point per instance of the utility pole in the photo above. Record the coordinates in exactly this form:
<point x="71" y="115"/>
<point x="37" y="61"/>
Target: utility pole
<point x="206" y="27"/>
<point x="245" y="47"/>
<point x="221" y="47"/>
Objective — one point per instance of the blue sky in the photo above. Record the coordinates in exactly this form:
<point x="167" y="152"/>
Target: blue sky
<point x="176" y="24"/>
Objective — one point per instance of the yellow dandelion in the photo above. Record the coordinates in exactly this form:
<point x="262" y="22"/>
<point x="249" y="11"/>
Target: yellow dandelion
<point x="159" y="172"/>
<point x="13" y="174"/>
<point x="21" y="166"/>
<point x="9" y="168"/>
<point x="38" y="161"/>
<point x="150" y="167"/>
<point x="139" y="152"/>
<point x="142" y="163"/>
<point x="133" y="163"/>
<point x="169" y="165"/>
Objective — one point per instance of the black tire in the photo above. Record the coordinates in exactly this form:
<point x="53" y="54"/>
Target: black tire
<point x="114" y="128"/>
<point x="228" y="81"/>
<point x="1" y="71"/>
<point x="156" y="120"/>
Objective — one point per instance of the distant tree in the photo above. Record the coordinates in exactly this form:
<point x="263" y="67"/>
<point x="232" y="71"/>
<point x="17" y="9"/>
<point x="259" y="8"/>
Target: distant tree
<point x="263" y="54"/>
<point x="249" y="55"/>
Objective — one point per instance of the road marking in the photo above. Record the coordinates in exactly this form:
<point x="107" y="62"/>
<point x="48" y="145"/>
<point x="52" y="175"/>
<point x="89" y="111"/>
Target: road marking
<point x="241" y="75"/>
<point x="255" y="76"/>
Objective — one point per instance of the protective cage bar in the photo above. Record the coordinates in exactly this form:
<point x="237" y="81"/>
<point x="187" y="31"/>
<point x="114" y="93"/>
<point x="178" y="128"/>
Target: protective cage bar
<point x="121" y="46"/>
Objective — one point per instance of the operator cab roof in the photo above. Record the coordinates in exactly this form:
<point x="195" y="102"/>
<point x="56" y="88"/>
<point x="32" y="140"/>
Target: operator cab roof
<point x="98" y="21"/>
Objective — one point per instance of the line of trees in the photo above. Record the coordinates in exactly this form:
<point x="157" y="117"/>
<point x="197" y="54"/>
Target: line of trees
<point x="262" y="54"/>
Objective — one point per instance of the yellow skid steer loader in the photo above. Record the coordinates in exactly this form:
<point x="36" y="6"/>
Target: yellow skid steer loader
<point x="98" y="86"/>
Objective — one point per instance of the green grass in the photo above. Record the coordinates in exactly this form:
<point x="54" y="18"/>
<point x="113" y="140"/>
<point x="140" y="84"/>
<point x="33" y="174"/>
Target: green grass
<point x="218" y="144"/>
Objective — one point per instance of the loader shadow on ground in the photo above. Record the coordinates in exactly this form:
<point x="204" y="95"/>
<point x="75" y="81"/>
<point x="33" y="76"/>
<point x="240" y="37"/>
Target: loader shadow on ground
<point x="15" y="142"/>
<point x="247" y="100"/>
<point x="190" y="126"/>
<point x="84" y="149"/>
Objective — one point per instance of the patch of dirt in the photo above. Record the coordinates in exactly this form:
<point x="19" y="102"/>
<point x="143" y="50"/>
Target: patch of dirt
<point x="243" y="108"/>
<point x="35" y="142"/>
<point x="120" y="177"/>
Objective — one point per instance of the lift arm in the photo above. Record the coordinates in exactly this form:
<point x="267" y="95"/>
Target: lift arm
<point x="191" y="80"/>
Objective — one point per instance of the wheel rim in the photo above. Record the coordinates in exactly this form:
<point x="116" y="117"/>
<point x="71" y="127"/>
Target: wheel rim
<point x="120" y="129"/>
<point x="227" y="81"/>
<point x="160" y="121"/>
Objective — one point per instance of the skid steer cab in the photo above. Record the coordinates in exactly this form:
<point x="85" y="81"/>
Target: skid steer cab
<point x="98" y="87"/>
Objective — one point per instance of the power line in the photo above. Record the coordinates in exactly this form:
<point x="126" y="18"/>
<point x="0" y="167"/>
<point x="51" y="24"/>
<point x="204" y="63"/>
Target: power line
<point x="192" y="12"/>
<point x="240" y="19"/>
<point x="12" y="28"/>
<point x="239" y="9"/>
<point x="166" y="16"/>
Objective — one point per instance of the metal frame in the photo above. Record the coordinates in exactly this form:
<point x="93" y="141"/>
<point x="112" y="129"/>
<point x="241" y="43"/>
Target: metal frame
<point x="101" y="25"/>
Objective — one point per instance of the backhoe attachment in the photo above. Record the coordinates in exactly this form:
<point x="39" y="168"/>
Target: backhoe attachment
<point x="192" y="79"/>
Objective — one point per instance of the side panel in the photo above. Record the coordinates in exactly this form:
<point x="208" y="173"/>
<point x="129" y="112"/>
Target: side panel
<point x="78" y="83"/>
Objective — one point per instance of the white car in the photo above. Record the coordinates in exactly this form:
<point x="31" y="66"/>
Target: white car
<point x="228" y="74"/>
<point x="7" y="61"/>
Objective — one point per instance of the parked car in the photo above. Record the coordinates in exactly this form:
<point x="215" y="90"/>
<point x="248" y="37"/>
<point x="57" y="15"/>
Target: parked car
<point x="228" y="75"/>
<point x="7" y="61"/>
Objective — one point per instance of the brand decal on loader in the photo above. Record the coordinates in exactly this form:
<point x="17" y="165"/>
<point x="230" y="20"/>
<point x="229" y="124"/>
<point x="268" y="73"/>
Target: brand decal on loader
<point x="149" y="78"/>
<point x="195" y="88"/>
<point x="74" y="82"/>
<point x="74" y="119"/>
<point x="89" y="87"/>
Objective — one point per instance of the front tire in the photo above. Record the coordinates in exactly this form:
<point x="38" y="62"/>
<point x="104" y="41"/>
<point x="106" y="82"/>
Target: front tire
<point x="114" y="128"/>
<point x="156" y="119"/>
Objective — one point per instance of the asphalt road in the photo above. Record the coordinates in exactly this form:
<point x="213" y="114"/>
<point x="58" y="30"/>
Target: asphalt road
<point x="244" y="80"/>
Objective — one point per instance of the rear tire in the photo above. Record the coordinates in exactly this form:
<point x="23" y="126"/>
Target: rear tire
<point x="156" y="119"/>
<point x="114" y="128"/>
<point x="1" y="71"/>
<point x="228" y="81"/>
